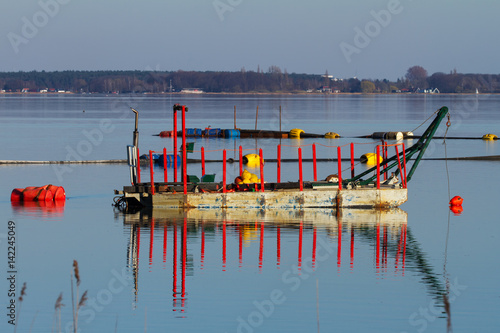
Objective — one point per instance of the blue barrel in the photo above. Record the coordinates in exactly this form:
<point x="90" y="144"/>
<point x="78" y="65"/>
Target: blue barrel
<point x="213" y="132"/>
<point x="231" y="133"/>
<point x="170" y="160"/>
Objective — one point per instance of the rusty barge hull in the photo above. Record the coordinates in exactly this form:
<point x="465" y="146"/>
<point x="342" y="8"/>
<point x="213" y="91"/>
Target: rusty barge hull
<point x="367" y="197"/>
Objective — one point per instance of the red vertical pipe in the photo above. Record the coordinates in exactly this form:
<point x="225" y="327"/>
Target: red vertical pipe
<point x="384" y="156"/>
<point x="261" y="170"/>
<point x="339" y="158"/>
<point x="241" y="160"/>
<point x="138" y="167"/>
<point x="165" y="176"/>
<point x="224" y="171"/>
<point x="184" y="151"/>
<point x="352" y="160"/>
<point x="314" y="248"/>
<point x="378" y="167"/>
<point x="315" y="170"/>
<point x="202" y="161"/>
<point x="300" y="245"/>
<point x="404" y="166"/>
<point x="224" y="246"/>
<point x="278" y="246"/>
<point x="175" y="145"/>
<point x="278" y="179"/>
<point x="261" y="247"/>
<point x="300" y="170"/>
<point x="151" y="172"/>
<point x="151" y="242"/>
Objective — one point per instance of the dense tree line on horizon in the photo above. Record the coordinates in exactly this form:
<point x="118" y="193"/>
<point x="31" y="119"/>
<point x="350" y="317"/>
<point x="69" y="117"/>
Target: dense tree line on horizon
<point x="273" y="81"/>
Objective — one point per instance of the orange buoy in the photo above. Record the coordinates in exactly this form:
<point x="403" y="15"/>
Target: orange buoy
<point x="457" y="210"/>
<point x="456" y="201"/>
<point x="57" y="191"/>
<point x="38" y="193"/>
<point x="16" y="195"/>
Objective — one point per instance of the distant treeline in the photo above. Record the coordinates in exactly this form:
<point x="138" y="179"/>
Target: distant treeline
<point x="273" y="81"/>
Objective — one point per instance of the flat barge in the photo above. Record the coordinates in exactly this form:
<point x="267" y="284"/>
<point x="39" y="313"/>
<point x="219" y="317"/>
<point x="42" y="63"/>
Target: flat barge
<point x="333" y="193"/>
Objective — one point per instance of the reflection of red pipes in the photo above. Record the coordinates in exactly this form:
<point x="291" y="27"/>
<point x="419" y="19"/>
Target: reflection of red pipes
<point x="174" y="268"/>
<point x="202" y="245"/>
<point x="165" y="243"/>
<point x="300" y="245"/>
<point x="184" y="264"/>
<point x="377" y="246"/>
<point x="151" y="240"/>
<point x="261" y="247"/>
<point x="314" y="248"/>
<point x="398" y="253"/>
<point x="278" y="246"/>
<point x="384" y="250"/>
<point x="339" y="243"/>
<point x="352" y="247"/>
<point x="223" y="246"/>
<point x="404" y="248"/>
<point x="138" y="245"/>
<point x="240" y="244"/>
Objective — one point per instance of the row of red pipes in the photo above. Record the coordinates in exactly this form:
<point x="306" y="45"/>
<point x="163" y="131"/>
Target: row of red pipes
<point x="401" y="165"/>
<point x="381" y="249"/>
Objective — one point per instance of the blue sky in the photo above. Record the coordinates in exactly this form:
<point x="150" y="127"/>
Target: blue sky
<point x="373" y="39"/>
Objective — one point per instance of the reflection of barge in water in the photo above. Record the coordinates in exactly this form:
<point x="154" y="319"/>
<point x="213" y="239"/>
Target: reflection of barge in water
<point x="260" y="239"/>
<point x="354" y="192"/>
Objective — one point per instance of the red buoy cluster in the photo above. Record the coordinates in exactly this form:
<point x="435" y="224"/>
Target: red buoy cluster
<point x="456" y="205"/>
<point x="38" y="193"/>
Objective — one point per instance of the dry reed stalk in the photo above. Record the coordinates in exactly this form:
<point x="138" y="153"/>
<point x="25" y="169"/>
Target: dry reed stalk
<point x="57" y="314"/>
<point x="21" y="298"/>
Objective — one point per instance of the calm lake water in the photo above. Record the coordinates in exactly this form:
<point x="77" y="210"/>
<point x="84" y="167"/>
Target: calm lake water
<point x="419" y="268"/>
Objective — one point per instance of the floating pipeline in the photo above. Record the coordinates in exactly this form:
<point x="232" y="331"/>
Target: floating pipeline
<point x="231" y="160"/>
<point x="38" y="193"/>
